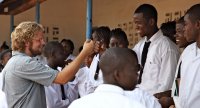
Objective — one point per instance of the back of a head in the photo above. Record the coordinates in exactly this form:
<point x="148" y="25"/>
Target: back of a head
<point x="114" y="57"/>
<point x="194" y="13"/>
<point x="148" y="11"/>
<point x="23" y="33"/>
<point x="117" y="59"/>
<point x="168" y="28"/>
<point x="121" y="35"/>
<point x="51" y="47"/>
<point x="103" y="32"/>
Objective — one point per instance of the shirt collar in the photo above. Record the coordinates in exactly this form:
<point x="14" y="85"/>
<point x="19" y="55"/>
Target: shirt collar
<point x="109" y="88"/>
<point x="14" y="53"/>
<point x="154" y="37"/>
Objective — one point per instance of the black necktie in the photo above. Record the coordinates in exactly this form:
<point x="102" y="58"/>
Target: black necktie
<point x="63" y="92"/>
<point x="143" y="59"/>
<point x="96" y="72"/>
<point x="176" y="93"/>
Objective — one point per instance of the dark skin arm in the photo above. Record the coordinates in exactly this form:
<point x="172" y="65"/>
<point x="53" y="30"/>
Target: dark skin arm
<point x="166" y="102"/>
<point x="163" y="94"/>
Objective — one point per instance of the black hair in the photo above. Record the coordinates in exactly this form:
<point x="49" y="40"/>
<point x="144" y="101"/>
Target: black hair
<point x="51" y="47"/>
<point x="70" y="43"/>
<point x="103" y="32"/>
<point x="169" y="29"/>
<point x="119" y="55"/>
<point x="120" y="34"/>
<point x="194" y="13"/>
<point x="148" y="11"/>
<point x="4" y="46"/>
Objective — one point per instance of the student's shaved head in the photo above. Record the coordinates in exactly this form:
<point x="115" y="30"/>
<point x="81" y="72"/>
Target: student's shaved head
<point x="194" y="13"/>
<point x="120" y="61"/>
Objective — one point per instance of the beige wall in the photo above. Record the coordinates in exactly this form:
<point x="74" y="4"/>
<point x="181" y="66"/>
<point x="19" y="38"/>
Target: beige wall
<point x="70" y="17"/>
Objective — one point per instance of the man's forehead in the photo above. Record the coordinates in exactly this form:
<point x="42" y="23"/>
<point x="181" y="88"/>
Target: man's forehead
<point x="39" y="34"/>
<point x="136" y="15"/>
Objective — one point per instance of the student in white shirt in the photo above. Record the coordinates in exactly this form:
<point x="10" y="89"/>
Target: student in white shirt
<point x="160" y="58"/>
<point x="57" y="95"/>
<point x="82" y="76"/>
<point x="119" y="39"/>
<point x="189" y="95"/>
<point x="101" y="37"/>
<point x="119" y="67"/>
<point x="169" y="97"/>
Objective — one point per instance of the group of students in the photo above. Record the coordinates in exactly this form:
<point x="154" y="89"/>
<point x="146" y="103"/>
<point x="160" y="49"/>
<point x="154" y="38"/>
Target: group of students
<point x="117" y="76"/>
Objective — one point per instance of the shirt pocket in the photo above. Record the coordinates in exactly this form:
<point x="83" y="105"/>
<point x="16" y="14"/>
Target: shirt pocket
<point x="152" y="70"/>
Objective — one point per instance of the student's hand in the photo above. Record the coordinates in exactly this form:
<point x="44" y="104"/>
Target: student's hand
<point x="158" y="95"/>
<point x="100" y="47"/>
<point x="88" y="47"/>
<point x="97" y="46"/>
<point x="166" y="102"/>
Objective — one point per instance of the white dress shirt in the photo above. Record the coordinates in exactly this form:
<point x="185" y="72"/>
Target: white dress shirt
<point x="3" y="102"/>
<point x="189" y="94"/>
<point x="54" y="97"/>
<point x="175" y="87"/>
<point x="160" y="66"/>
<point x="82" y="75"/>
<point x="106" y="96"/>
<point x="71" y="56"/>
<point x="92" y="84"/>
<point x="54" y="94"/>
<point x="143" y="97"/>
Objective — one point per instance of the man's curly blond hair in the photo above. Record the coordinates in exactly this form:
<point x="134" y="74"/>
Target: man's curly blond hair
<point x="23" y="33"/>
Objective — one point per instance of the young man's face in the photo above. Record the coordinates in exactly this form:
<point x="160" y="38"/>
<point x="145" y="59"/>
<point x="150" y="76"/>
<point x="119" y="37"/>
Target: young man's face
<point x="37" y="44"/>
<point x="141" y="24"/>
<point x="115" y="42"/>
<point x="6" y="57"/>
<point x="190" y="31"/>
<point x="67" y="48"/>
<point x="180" y="38"/>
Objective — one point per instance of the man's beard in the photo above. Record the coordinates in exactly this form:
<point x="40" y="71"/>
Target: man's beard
<point x="33" y="52"/>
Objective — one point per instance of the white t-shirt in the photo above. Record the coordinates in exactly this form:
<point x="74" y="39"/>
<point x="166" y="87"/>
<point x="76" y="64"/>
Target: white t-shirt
<point x="143" y="97"/>
<point x="106" y="96"/>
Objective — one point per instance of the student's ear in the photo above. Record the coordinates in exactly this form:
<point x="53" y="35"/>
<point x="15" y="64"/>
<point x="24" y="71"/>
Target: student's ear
<point x="117" y="75"/>
<point x="27" y="44"/>
<point x="151" y="22"/>
<point x="198" y="24"/>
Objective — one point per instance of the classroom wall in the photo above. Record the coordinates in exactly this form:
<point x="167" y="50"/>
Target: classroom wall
<point x="67" y="18"/>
